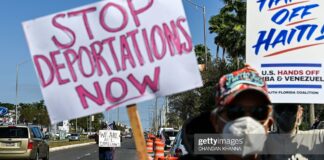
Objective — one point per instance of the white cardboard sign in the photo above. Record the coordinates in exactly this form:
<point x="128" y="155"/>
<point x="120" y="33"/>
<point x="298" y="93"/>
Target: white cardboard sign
<point x="110" y="54"/>
<point x="285" y="43"/>
<point x="109" y="138"/>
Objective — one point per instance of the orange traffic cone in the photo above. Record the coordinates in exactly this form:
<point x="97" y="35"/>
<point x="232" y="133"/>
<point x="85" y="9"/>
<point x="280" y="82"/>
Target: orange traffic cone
<point x="159" y="150"/>
<point x="149" y="148"/>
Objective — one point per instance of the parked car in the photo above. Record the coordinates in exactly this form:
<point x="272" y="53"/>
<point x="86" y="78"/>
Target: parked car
<point x="128" y="135"/>
<point x="159" y="132"/>
<point x="168" y="136"/>
<point x="23" y="142"/>
<point x="177" y="148"/>
<point x="74" y="137"/>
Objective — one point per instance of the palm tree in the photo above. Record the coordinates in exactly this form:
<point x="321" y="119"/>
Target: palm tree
<point x="200" y="53"/>
<point x="229" y="26"/>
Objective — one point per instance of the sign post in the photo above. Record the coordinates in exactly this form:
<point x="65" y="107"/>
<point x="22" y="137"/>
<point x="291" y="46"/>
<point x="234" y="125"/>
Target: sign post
<point x="137" y="132"/>
<point x="3" y="111"/>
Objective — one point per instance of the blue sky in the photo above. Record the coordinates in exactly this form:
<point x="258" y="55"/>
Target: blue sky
<point x="14" y="49"/>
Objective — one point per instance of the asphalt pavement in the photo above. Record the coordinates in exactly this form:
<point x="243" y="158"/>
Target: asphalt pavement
<point x="127" y="151"/>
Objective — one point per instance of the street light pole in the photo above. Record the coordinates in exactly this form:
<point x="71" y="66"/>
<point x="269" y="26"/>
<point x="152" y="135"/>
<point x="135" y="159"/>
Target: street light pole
<point x="205" y="37"/>
<point x="17" y="76"/>
<point x="205" y="40"/>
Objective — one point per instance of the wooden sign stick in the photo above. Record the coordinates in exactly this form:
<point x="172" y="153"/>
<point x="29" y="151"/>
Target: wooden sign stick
<point x="137" y="132"/>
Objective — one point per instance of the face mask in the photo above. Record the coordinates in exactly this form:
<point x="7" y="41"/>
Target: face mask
<point x="285" y="121"/>
<point x="252" y="132"/>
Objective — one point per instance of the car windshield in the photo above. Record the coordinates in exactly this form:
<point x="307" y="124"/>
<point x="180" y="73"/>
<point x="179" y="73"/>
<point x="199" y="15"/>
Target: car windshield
<point x="13" y="132"/>
<point x="170" y="133"/>
<point x="74" y="134"/>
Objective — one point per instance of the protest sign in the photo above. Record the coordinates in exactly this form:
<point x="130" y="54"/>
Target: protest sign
<point x="109" y="138"/>
<point x="285" y="40"/>
<point x="110" y="54"/>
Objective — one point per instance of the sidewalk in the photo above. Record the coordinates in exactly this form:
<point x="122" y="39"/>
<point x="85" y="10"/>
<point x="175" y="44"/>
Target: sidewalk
<point x="70" y="146"/>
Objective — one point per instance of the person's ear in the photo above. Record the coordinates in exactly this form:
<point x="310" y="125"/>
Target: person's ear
<point x="213" y="119"/>
<point x="267" y="124"/>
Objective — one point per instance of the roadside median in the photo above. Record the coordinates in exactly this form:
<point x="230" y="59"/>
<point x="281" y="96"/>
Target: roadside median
<point x="65" y="144"/>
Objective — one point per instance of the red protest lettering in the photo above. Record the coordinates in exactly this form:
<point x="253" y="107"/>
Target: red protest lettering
<point x="83" y="94"/>
<point x="132" y="34"/>
<point x="109" y="41"/>
<point x="147" y="45"/>
<point x="135" y="12"/>
<point x="83" y="49"/>
<point x="188" y="47"/>
<point x="84" y="13"/>
<point x="141" y="87"/>
<point x="172" y="38"/>
<point x="70" y="62"/>
<point x="109" y="95"/>
<point x="126" y="54"/>
<point x="99" y="60"/>
<point x="57" y="67"/>
<point x="157" y="29"/>
<point x="39" y="68"/>
<point x="66" y="30"/>
<point x="103" y="14"/>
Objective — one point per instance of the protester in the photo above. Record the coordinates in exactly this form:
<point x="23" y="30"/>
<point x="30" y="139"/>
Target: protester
<point x="243" y="108"/>
<point x="316" y="123"/>
<point x="287" y="142"/>
<point x="106" y="153"/>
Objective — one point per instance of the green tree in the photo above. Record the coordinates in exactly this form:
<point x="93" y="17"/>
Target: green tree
<point x="7" y="105"/>
<point x="229" y="26"/>
<point x="35" y="113"/>
<point x="83" y="123"/>
<point x="188" y="104"/>
<point x="200" y="54"/>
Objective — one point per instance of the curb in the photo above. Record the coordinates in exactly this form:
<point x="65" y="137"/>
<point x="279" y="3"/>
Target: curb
<point x="70" y="146"/>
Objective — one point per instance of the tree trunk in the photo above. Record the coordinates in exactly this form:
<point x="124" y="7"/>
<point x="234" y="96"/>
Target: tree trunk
<point x="223" y="57"/>
<point x="217" y="51"/>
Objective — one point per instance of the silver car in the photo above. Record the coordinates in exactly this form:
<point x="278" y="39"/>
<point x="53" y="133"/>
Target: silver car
<point x="23" y="142"/>
<point x="74" y="137"/>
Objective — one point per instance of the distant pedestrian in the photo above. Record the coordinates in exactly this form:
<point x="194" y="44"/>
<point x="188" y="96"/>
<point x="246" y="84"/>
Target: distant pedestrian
<point x="316" y="123"/>
<point x="105" y="153"/>
<point x="243" y="109"/>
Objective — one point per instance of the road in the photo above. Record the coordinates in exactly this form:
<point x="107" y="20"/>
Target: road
<point x="90" y="152"/>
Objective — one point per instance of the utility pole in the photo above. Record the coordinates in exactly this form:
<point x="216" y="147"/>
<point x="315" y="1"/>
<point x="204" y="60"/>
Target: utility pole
<point x="76" y="125"/>
<point x="17" y="81"/>
<point x="118" y="114"/>
<point x="156" y="116"/>
<point x="88" y="124"/>
<point x="204" y="18"/>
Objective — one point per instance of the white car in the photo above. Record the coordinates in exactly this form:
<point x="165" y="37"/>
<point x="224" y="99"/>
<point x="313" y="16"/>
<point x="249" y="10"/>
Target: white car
<point x="128" y="135"/>
<point x="168" y="136"/>
<point x="178" y="148"/>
